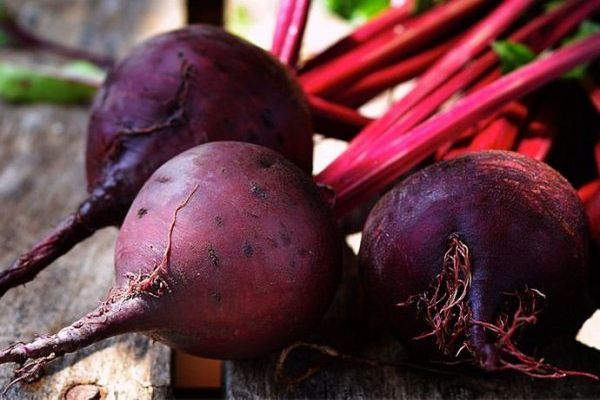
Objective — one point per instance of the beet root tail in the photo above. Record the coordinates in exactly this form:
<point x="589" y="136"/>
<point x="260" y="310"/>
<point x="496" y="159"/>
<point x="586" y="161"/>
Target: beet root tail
<point x="62" y="238"/>
<point x="457" y="324"/>
<point x="112" y="317"/>
<point x="493" y="346"/>
<point x="72" y="230"/>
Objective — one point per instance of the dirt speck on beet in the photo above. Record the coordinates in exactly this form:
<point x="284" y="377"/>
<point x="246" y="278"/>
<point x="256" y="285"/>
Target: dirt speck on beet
<point x="213" y="257"/>
<point x="248" y="249"/>
<point x="163" y="179"/>
<point x="258" y="191"/>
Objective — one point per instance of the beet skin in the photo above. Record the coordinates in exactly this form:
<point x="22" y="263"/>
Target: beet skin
<point x="255" y="258"/>
<point x="173" y="92"/>
<point x="495" y="227"/>
<point x="228" y="251"/>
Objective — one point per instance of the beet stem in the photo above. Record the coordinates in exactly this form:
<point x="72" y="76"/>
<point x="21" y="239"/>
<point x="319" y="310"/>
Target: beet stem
<point x="289" y="31"/>
<point x="328" y="78"/>
<point x="293" y="40"/>
<point x="284" y="16"/>
<point x="437" y="84"/>
<point x="385" y="78"/>
<point x="335" y="120"/>
<point x="386" y="163"/>
<point x="540" y="131"/>
<point x="364" y="33"/>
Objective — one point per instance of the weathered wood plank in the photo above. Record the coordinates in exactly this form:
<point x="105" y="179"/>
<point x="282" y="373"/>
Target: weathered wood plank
<point x="345" y="328"/>
<point x="41" y="180"/>
<point x="255" y="379"/>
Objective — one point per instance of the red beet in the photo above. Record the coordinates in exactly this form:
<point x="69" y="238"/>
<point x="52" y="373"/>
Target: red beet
<point x="173" y="92"/>
<point x="483" y="253"/>
<point x="228" y="251"/>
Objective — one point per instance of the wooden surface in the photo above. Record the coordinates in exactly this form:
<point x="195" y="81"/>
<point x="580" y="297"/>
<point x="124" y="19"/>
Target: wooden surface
<point x="41" y="180"/>
<point x="344" y="328"/>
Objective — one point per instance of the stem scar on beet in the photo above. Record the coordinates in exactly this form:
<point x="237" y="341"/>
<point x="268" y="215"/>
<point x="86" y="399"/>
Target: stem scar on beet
<point x="165" y="97"/>
<point x="168" y="290"/>
<point x="486" y="254"/>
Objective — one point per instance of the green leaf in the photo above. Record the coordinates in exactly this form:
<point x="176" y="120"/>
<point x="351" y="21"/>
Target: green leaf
<point x="586" y="28"/>
<point x="4" y="38"/>
<point x="552" y="4"/>
<point x="512" y="55"/>
<point x="357" y="10"/>
<point x="576" y="73"/>
<point x="84" y="69"/>
<point x="30" y="85"/>
<point x="4" y="14"/>
<point x="421" y="6"/>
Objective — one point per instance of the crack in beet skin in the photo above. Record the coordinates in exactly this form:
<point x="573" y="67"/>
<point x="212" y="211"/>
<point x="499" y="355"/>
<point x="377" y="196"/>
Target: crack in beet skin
<point x="154" y="284"/>
<point x="176" y="117"/>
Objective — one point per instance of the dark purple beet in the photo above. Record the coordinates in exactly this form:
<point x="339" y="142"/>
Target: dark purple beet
<point x="173" y="92"/>
<point x="496" y="227"/>
<point x="228" y="251"/>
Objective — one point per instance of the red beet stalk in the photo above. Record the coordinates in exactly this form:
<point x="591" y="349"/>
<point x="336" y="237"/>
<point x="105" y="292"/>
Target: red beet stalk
<point x="478" y="37"/>
<point x="384" y="22"/>
<point x="594" y="94"/>
<point x="289" y="30"/>
<point x="541" y="130"/>
<point x="373" y="84"/>
<point x="474" y="42"/>
<point x="513" y="111"/>
<point x="383" y="164"/>
<point x="500" y="134"/>
<point x="590" y="196"/>
<point x="336" y="120"/>
<point x="328" y="78"/>
<point x="465" y="77"/>
<point x="284" y="16"/>
<point x="293" y="40"/>
<point x="540" y="34"/>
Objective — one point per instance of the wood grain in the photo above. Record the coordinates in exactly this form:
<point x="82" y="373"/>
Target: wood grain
<point x="41" y="180"/>
<point x="394" y="376"/>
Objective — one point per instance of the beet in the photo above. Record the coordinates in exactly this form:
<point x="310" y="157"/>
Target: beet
<point x="479" y="253"/>
<point x="228" y="251"/>
<point x="172" y="92"/>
